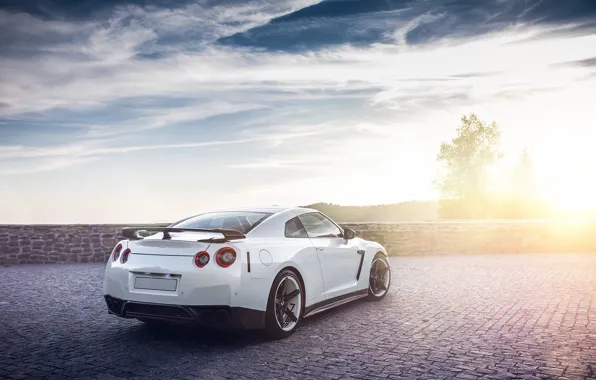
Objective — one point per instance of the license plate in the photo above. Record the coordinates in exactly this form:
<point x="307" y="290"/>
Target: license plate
<point x="149" y="283"/>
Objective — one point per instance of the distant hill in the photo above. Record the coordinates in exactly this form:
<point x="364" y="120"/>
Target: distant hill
<point x="413" y="211"/>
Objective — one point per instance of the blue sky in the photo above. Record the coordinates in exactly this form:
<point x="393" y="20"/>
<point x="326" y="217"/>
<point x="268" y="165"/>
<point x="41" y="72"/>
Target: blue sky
<point x="140" y="111"/>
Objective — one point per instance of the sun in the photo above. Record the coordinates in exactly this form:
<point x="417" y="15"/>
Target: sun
<point x="571" y="194"/>
<point x="575" y="203"/>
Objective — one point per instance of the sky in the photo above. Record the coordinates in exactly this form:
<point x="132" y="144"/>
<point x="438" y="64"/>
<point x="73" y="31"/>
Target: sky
<point x="121" y="111"/>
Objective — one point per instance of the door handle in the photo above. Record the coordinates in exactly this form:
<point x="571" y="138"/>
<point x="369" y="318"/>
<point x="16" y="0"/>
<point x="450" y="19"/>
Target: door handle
<point x="319" y="249"/>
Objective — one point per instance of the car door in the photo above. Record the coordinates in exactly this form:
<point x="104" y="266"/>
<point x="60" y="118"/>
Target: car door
<point x="306" y="256"/>
<point x="339" y="258"/>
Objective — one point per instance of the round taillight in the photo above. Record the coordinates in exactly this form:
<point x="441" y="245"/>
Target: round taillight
<point x="125" y="255"/>
<point x="225" y="257"/>
<point x="201" y="259"/>
<point x="116" y="252"/>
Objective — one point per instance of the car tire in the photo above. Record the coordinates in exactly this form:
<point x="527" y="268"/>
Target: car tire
<point x="379" y="278"/>
<point x="285" y="306"/>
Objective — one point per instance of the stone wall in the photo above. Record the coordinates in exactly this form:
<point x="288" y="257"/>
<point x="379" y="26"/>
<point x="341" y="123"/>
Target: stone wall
<point x="37" y="244"/>
<point x="481" y="237"/>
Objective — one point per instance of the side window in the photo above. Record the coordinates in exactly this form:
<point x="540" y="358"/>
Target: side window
<point x="294" y="229"/>
<point x="317" y="225"/>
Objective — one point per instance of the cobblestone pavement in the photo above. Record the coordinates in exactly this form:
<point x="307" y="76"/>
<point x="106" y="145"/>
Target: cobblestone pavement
<point x="525" y="316"/>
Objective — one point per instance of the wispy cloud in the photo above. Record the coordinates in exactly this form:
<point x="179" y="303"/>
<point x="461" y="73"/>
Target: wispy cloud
<point x="588" y="62"/>
<point x="301" y="89"/>
<point x="146" y="118"/>
<point x="97" y="147"/>
<point x="55" y="163"/>
<point x="94" y="63"/>
<point x="396" y="78"/>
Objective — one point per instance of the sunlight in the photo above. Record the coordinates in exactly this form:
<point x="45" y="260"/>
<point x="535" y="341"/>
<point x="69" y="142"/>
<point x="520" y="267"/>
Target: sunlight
<point x="573" y="195"/>
<point x="557" y="128"/>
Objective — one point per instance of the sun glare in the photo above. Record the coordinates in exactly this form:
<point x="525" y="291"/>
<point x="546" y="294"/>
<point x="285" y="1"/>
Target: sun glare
<point x="572" y="197"/>
<point x="567" y="183"/>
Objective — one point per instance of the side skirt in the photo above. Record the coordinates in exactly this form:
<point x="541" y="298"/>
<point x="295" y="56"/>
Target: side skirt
<point x="334" y="302"/>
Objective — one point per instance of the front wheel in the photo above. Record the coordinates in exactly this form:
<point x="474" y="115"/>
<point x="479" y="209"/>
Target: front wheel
<point x="380" y="278"/>
<point x="285" y="306"/>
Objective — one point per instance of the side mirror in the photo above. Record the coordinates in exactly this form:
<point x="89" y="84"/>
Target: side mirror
<point x="349" y="233"/>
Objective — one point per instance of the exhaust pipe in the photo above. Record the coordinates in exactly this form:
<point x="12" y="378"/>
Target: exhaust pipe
<point x="114" y="305"/>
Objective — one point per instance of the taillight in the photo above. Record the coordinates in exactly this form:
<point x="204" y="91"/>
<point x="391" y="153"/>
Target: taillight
<point x="225" y="257"/>
<point x="201" y="259"/>
<point x="125" y="255"/>
<point x="116" y="252"/>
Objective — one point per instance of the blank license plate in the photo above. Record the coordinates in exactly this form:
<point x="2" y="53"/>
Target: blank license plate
<point x="148" y="283"/>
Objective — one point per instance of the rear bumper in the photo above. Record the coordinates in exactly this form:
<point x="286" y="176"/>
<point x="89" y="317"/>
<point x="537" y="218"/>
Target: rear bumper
<point x="218" y="316"/>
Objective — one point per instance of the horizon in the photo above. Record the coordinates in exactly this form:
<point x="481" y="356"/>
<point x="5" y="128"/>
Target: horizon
<point x="136" y="110"/>
<point x="560" y="216"/>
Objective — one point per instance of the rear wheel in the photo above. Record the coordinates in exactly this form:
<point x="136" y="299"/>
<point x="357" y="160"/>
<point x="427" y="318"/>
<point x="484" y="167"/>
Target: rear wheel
<point x="285" y="306"/>
<point x="380" y="278"/>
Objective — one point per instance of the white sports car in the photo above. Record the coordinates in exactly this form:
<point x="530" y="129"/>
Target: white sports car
<point x="264" y="268"/>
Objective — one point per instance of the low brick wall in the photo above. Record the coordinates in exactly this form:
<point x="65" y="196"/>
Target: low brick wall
<point x="38" y="244"/>
<point x="481" y="237"/>
<point x="29" y="244"/>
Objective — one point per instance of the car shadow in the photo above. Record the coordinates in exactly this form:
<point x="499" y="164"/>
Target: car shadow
<point x="130" y="348"/>
<point x="190" y="336"/>
<point x="196" y="336"/>
<point x="342" y="311"/>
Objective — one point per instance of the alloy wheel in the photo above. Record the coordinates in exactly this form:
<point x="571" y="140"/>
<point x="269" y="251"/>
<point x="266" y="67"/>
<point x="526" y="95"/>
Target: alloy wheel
<point x="288" y="303"/>
<point x="379" y="277"/>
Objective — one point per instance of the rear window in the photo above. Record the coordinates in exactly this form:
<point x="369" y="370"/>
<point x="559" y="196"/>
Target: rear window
<point x="242" y="221"/>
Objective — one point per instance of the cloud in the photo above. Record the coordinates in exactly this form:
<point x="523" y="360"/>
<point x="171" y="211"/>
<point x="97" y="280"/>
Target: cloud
<point x="77" y="56"/>
<point x="55" y="163"/>
<point x="340" y="145"/>
<point x="364" y="22"/>
<point x="251" y="71"/>
<point x="168" y="52"/>
<point x="274" y="164"/>
<point x="149" y="118"/>
<point x="224" y="74"/>
<point x="20" y="159"/>
<point x="98" y="148"/>
<point x="588" y="62"/>
<point x="348" y="105"/>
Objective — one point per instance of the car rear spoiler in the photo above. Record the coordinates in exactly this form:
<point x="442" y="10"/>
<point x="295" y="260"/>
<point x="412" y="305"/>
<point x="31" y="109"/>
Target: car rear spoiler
<point x="133" y="233"/>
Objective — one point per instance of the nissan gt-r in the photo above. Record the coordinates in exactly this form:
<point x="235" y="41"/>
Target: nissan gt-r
<point x="261" y="268"/>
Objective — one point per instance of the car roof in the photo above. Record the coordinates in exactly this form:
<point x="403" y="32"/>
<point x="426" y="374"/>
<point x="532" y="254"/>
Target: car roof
<point x="272" y="226"/>
<point x="269" y="209"/>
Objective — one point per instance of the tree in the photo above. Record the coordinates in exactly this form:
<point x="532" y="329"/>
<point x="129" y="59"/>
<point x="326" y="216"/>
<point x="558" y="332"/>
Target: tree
<point x="465" y="186"/>
<point x="521" y="200"/>
<point x="523" y="183"/>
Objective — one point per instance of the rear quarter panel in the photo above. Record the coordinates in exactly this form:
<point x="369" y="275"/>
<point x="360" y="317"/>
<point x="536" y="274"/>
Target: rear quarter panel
<point x="269" y="256"/>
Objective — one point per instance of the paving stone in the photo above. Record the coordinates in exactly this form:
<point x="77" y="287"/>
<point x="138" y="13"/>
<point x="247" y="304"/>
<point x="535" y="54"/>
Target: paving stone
<point x="525" y="316"/>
